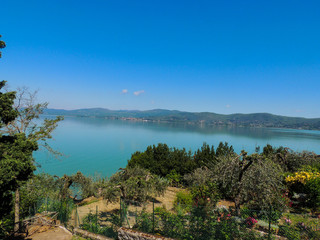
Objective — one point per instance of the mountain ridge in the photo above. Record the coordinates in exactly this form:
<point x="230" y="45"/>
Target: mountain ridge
<point x="208" y="118"/>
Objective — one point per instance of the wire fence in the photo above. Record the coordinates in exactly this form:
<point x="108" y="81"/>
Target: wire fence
<point x="197" y="222"/>
<point x="63" y="208"/>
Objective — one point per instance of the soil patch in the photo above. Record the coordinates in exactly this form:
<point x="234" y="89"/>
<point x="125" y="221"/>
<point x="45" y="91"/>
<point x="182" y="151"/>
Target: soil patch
<point x="53" y="233"/>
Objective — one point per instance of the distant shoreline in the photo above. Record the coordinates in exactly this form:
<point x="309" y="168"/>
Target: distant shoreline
<point x="254" y="120"/>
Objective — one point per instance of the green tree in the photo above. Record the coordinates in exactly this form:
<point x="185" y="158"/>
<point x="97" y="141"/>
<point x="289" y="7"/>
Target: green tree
<point x="205" y="155"/>
<point x="245" y="178"/>
<point x="134" y="184"/>
<point x="289" y="160"/>
<point x="21" y="134"/>
<point x="164" y="161"/>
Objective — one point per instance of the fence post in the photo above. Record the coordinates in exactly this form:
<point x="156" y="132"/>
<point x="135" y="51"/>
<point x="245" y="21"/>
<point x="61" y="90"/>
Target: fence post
<point x="153" y="215"/>
<point x="136" y="215"/>
<point x="269" y="230"/>
<point x="120" y="214"/>
<point x="96" y="218"/>
<point x="78" y="216"/>
<point x="75" y="217"/>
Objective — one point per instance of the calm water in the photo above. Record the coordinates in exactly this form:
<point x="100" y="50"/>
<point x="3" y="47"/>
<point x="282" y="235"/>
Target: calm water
<point x="99" y="146"/>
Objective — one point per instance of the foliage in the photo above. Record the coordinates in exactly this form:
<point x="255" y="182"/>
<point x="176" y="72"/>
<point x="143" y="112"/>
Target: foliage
<point x="199" y="176"/>
<point x="299" y="231"/>
<point x="173" y="163"/>
<point x="170" y="224"/>
<point x="174" y="178"/>
<point x="19" y="137"/>
<point x="39" y="187"/>
<point x="28" y="121"/>
<point x="307" y="182"/>
<point x="86" y="186"/>
<point x="309" y="221"/>
<point x="250" y="222"/>
<point x="183" y="201"/>
<point x="144" y="222"/>
<point x="289" y="160"/>
<point x="134" y="184"/>
<point x="7" y="111"/>
<point x="162" y="160"/>
<point x="247" y="178"/>
<point x="91" y="224"/>
<point x="302" y="177"/>
<point x="205" y="155"/>
<point x="203" y="189"/>
<point x="5" y="227"/>
<point x="198" y="224"/>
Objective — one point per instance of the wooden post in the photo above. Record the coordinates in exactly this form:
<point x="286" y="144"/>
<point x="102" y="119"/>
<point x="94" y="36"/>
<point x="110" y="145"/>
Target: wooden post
<point x="16" y="212"/>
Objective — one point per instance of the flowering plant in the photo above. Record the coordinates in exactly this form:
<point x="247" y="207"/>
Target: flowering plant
<point x="287" y="221"/>
<point x="250" y="222"/>
<point x="302" y="177"/>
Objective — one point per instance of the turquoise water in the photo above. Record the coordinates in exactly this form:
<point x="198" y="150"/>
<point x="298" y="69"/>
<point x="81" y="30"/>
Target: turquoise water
<point x="100" y="146"/>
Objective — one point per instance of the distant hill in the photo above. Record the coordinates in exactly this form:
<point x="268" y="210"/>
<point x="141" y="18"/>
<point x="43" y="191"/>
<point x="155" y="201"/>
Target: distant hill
<point x="207" y="118"/>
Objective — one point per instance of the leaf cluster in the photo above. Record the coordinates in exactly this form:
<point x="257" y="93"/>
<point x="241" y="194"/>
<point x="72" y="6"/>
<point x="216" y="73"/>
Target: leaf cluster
<point x="134" y="184"/>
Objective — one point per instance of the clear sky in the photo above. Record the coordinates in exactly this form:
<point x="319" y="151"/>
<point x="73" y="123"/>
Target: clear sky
<point x="216" y="56"/>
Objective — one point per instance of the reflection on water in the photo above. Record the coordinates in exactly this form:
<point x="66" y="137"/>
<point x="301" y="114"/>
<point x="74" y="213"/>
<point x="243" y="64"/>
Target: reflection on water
<point x="102" y="146"/>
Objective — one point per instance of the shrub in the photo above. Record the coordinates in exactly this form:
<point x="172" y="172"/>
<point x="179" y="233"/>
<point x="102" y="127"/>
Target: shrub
<point x="183" y="201"/>
<point x="91" y="224"/>
<point x="250" y="222"/>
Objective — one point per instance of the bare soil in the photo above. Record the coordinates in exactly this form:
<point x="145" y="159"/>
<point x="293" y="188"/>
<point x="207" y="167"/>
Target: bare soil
<point x="104" y="209"/>
<point x="53" y="233"/>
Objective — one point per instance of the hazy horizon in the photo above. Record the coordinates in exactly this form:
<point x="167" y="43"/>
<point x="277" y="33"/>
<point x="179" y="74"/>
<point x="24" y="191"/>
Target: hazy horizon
<point x="177" y="110"/>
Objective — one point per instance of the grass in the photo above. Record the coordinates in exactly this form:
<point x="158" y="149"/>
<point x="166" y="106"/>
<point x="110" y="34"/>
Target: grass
<point x="309" y="221"/>
<point x="89" y="202"/>
<point x="75" y="237"/>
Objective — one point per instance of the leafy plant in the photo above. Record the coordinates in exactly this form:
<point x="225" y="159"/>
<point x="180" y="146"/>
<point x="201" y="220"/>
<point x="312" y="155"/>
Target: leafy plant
<point x="183" y="201"/>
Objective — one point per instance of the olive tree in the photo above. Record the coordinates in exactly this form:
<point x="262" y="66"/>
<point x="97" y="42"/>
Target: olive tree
<point x="247" y="178"/>
<point x="134" y="184"/>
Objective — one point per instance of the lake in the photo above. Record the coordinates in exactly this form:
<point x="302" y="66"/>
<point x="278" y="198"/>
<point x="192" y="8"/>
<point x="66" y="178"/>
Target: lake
<point x="101" y="146"/>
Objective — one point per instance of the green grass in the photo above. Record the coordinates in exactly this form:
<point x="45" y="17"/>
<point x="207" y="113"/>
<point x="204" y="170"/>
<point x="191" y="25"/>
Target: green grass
<point x="75" y="237"/>
<point x="305" y="218"/>
<point x="88" y="203"/>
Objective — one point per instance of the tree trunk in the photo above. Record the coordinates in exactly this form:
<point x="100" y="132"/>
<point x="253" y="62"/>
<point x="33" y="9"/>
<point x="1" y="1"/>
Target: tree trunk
<point x="237" y="206"/>
<point x="16" y="212"/>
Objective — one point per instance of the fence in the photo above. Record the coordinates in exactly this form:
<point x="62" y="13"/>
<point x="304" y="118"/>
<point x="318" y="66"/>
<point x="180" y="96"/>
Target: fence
<point x="63" y="208"/>
<point x="197" y="222"/>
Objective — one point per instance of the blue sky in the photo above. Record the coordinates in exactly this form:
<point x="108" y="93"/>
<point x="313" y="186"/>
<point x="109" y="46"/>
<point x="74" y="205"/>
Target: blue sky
<point x="216" y="56"/>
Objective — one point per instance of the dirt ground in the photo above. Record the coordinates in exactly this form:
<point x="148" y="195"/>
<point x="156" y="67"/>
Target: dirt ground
<point x="56" y="233"/>
<point x="91" y="205"/>
<point x="104" y="208"/>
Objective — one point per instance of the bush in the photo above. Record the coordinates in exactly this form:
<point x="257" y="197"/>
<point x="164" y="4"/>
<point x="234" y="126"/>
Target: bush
<point x="183" y="201"/>
<point x="144" y="222"/>
<point x="91" y="224"/>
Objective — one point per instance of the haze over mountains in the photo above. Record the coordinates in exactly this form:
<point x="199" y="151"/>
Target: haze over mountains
<point x="207" y="118"/>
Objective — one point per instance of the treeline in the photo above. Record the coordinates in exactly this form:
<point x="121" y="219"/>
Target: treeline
<point x="174" y="163"/>
<point x="221" y="172"/>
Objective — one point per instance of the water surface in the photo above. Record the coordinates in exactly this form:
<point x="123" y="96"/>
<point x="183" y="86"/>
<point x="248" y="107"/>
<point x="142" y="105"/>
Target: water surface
<point x="101" y="146"/>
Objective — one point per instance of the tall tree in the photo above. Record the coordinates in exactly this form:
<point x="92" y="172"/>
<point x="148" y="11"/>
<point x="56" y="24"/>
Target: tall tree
<point x="21" y="134"/>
